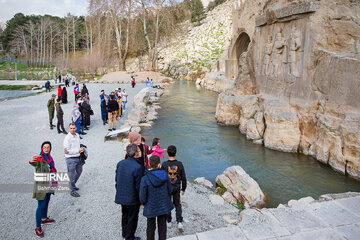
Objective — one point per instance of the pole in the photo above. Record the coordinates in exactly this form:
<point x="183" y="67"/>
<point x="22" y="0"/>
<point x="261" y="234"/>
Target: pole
<point x="15" y="71"/>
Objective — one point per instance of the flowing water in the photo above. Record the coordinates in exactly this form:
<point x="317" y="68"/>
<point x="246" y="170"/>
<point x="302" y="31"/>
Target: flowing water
<point x="206" y="149"/>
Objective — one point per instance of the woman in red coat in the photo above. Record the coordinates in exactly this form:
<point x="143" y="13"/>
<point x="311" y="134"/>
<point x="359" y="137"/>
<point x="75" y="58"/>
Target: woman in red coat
<point x="59" y="91"/>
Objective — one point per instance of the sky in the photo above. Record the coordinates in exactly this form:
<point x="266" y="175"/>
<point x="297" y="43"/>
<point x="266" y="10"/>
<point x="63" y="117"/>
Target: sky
<point x="8" y="8"/>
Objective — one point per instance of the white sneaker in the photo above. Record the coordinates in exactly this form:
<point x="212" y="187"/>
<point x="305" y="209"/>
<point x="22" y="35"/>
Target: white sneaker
<point x="169" y="224"/>
<point x="180" y="227"/>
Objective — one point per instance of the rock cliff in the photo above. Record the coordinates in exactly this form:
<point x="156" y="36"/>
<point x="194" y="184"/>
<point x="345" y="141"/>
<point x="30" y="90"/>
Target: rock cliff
<point x="295" y="68"/>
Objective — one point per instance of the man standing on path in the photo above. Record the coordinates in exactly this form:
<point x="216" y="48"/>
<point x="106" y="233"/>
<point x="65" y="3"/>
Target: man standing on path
<point x="72" y="152"/>
<point x="127" y="184"/>
<point x="51" y="109"/>
<point x="113" y="108"/>
<point x="60" y="117"/>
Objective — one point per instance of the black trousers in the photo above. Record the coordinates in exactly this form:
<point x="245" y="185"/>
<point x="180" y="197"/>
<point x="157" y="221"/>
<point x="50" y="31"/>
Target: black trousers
<point x="178" y="208"/>
<point x="60" y="123"/>
<point x="129" y="221"/>
<point x="151" y="226"/>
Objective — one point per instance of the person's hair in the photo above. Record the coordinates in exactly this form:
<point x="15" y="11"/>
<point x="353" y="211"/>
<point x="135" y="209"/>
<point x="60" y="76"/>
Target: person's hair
<point x="46" y="142"/>
<point x="142" y="139"/>
<point x="58" y="99"/>
<point x="77" y="84"/>
<point x="131" y="149"/>
<point x="155" y="141"/>
<point x="72" y="124"/>
<point x="112" y="97"/>
<point x="154" y="161"/>
<point x="171" y="150"/>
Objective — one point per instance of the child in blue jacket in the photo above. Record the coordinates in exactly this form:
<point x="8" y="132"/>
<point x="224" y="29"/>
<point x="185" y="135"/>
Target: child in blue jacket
<point x="155" y="191"/>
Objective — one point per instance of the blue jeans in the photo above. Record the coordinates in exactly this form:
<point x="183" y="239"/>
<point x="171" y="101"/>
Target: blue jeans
<point x="78" y="125"/>
<point x="74" y="167"/>
<point x="124" y="103"/>
<point x="41" y="211"/>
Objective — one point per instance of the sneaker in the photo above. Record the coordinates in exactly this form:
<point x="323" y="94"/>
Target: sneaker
<point x="65" y="132"/>
<point x="51" y="127"/>
<point x="75" y="194"/>
<point x="39" y="233"/>
<point x="59" y="132"/>
<point x="77" y="189"/>
<point x="47" y="221"/>
<point x="114" y="129"/>
<point x="110" y="129"/>
<point x="83" y="133"/>
<point x="169" y="225"/>
<point x="80" y="137"/>
<point x="180" y="227"/>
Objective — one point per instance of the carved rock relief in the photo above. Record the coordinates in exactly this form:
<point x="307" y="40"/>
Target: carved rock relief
<point x="283" y="52"/>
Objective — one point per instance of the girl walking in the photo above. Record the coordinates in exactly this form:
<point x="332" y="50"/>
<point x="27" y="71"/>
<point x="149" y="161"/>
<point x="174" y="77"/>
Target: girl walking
<point x="157" y="151"/>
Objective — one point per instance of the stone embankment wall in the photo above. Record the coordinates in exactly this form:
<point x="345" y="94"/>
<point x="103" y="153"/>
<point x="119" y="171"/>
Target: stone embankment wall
<point x="297" y="87"/>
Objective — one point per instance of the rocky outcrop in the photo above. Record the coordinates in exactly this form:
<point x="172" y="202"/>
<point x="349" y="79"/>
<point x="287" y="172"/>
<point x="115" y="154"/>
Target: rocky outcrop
<point x="241" y="186"/>
<point x="301" y="61"/>
<point x="203" y="181"/>
<point x="144" y="110"/>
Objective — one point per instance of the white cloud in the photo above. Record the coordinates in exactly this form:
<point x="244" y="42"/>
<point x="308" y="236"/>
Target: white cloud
<point x="52" y="7"/>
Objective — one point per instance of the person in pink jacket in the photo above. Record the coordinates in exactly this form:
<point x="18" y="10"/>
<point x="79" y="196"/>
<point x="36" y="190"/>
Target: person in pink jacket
<point x="157" y="149"/>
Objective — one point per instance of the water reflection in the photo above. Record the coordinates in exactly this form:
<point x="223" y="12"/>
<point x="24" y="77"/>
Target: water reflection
<point x="207" y="149"/>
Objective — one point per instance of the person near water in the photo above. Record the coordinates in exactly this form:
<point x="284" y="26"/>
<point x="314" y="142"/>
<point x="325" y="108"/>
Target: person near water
<point x="60" y="117"/>
<point x="76" y="91"/>
<point x="51" y="110"/>
<point x="102" y="97"/>
<point x="72" y="152"/>
<point x="155" y="192"/>
<point x="124" y="99"/>
<point x="113" y="107"/>
<point x="64" y="95"/>
<point x="147" y="151"/>
<point x="127" y="184"/>
<point x="156" y="148"/>
<point x="47" y="86"/>
<point x="147" y="81"/>
<point x="44" y="164"/>
<point x="176" y="172"/>
<point x="151" y="83"/>
<point x="135" y="138"/>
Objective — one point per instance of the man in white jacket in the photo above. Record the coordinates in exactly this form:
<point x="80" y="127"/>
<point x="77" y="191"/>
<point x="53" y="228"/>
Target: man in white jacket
<point x="72" y="152"/>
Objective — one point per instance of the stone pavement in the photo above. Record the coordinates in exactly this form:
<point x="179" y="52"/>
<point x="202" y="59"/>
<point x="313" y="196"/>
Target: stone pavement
<point x="333" y="216"/>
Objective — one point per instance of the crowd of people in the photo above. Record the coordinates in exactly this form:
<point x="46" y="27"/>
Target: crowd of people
<point x="140" y="179"/>
<point x="112" y="107"/>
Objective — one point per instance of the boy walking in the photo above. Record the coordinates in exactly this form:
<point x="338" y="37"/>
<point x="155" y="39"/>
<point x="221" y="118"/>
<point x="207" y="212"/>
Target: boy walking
<point x="155" y="195"/>
<point x="176" y="172"/>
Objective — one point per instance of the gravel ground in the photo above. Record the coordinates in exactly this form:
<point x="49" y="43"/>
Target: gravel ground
<point x="24" y="126"/>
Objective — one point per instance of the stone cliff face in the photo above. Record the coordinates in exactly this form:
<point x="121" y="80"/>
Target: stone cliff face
<point x="294" y="72"/>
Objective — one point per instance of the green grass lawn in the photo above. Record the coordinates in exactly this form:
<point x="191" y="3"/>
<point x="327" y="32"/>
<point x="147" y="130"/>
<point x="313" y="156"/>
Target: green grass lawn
<point x="16" y="87"/>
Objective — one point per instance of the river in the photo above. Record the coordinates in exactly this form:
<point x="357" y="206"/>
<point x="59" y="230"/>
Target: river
<point x="206" y="149"/>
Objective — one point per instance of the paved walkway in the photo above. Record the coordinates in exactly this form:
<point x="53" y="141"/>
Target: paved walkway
<point x="336" y="216"/>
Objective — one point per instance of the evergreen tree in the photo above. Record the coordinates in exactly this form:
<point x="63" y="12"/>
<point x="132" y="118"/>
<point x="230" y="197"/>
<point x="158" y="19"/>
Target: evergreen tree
<point x="197" y="10"/>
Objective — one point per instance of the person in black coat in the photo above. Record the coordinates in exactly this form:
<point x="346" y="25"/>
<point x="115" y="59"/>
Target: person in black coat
<point x="86" y="108"/>
<point x="155" y="192"/>
<point x="84" y="90"/>
<point x="127" y="184"/>
<point x="64" y="95"/>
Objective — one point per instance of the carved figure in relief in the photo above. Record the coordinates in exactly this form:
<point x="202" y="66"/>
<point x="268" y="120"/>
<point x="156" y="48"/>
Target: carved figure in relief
<point x="279" y="47"/>
<point x="267" y="56"/>
<point x="294" y="48"/>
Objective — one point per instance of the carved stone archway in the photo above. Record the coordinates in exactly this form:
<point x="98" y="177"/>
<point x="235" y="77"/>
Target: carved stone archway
<point x="232" y="64"/>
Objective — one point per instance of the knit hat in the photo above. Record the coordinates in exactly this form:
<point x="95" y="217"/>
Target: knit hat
<point x="134" y="137"/>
